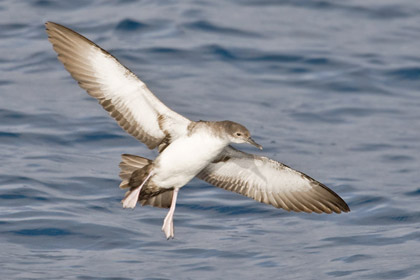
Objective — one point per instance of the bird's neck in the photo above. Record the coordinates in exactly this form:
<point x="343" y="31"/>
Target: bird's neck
<point x="211" y="128"/>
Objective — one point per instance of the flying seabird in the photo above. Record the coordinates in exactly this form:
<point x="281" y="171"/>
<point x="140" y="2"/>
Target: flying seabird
<point x="187" y="149"/>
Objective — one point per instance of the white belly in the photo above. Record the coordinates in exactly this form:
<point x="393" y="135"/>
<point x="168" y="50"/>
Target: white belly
<point x="183" y="159"/>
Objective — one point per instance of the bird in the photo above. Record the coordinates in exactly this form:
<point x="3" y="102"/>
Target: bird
<point x="186" y="148"/>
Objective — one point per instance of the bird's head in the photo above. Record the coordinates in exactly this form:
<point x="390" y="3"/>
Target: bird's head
<point x="238" y="133"/>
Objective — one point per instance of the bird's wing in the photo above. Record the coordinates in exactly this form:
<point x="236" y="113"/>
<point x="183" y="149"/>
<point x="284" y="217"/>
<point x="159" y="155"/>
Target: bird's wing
<point x="118" y="90"/>
<point x="271" y="182"/>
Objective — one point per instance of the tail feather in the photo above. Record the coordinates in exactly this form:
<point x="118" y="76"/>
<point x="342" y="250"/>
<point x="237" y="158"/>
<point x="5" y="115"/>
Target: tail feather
<point x="162" y="200"/>
<point x="130" y="164"/>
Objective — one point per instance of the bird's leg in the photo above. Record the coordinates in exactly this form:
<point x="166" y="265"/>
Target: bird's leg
<point x="131" y="199"/>
<point x="168" y="223"/>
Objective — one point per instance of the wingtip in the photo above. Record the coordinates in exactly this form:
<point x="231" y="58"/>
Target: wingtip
<point x="342" y="207"/>
<point x="347" y="208"/>
<point x="48" y="24"/>
<point x="341" y="204"/>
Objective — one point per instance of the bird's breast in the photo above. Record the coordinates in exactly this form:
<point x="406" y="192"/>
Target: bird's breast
<point x="185" y="158"/>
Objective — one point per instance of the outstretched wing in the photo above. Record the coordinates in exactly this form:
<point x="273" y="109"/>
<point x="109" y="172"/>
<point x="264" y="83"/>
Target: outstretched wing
<point x="271" y="182"/>
<point x="118" y="90"/>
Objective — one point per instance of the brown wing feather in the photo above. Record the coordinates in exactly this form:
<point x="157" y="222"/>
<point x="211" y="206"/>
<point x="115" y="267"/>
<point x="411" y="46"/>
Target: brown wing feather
<point x="118" y="90"/>
<point x="150" y="195"/>
<point x="271" y="182"/>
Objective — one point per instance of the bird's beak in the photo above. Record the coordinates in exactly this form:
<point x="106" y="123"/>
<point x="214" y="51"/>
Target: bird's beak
<point x="252" y="142"/>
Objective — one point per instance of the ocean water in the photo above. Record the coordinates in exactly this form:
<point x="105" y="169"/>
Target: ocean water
<point x="331" y="88"/>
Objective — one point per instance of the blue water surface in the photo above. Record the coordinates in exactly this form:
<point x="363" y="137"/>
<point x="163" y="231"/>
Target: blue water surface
<point x="331" y="88"/>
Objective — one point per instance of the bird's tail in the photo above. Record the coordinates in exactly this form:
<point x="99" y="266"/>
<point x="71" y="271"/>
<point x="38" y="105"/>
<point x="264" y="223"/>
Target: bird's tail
<point x="128" y="165"/>
<point x="133" y="168"/>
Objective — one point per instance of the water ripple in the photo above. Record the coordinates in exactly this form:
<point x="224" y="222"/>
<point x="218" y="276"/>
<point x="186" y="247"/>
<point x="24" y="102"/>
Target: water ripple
<point x="205" y="26"/>
<point x="131" y="25"/>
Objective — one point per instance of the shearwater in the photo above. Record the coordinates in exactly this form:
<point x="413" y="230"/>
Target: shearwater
<point x="187" y="149"/>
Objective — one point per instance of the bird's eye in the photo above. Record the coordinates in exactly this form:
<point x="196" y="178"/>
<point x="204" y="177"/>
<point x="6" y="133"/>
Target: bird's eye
<point x="238" y="134"/>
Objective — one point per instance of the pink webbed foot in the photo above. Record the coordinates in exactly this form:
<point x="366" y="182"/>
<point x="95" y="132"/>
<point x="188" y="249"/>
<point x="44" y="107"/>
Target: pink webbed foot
<point x="168" y="223"/>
